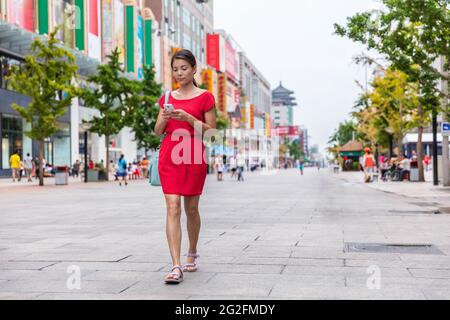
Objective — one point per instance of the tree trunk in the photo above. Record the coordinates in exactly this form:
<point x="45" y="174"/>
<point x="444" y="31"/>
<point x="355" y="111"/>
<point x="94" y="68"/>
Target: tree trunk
<point x="41" y="164"/>
<point x="107" y="158"/>
<point x="400" y="146"/>
<point x="391" y="148"/>
<point x="420" y="148"/>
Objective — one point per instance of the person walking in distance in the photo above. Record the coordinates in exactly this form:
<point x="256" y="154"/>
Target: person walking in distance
<point x="14" y="163"/>
<point x="369" y="164"/>
<point x="240" y="167"/>
<point x="122" y="170"/>
<point x="76" y="169"/>
<point x="301" y="167"/>
<point x="190" y="112"/>
<point x="28" y="165"/>
<point x="219" y="168"/>
<point x="233" y="167"/>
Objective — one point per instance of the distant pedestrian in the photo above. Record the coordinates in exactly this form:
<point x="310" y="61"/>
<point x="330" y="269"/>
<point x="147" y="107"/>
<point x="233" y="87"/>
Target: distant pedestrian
<point x="426" y="161"/>
<point x="14" y="163"/>
<point x="28" y="166"/>
<point x="144" y="167"/>
<point x="36" y="168"/>
<point x="233" y="167"/>
<point x="240" y="167"/>
<point x="76" y="169"/>
<point x="112" y="169"/>
<point x="301" y="166"/>
<point x="219" y="168"/>
<point x="369" y="165"/>
<point x="122" y="170"/>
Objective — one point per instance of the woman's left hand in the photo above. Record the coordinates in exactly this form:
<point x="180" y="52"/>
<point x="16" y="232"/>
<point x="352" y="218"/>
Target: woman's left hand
<point x="181" y="115"/>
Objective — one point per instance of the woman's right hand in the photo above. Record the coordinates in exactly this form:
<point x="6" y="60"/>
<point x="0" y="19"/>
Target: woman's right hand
<point x="166" y="115"/>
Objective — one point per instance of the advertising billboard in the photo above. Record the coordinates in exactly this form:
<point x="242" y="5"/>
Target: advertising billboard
<point x="107" y="27"/>
<point x="20" y="12"/>
<point x="230" y="61"/>
<point x="207" y="79"/>
<point x="140" y="48"/>
<point x="215" y="51"/>
<point x="119" y="31"/>
<point x="288" y="131"/>
<point x="94" y="39"/>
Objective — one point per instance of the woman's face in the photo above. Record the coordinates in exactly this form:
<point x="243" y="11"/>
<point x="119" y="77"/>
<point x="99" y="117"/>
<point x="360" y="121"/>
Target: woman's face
<point x="183" y="72"/>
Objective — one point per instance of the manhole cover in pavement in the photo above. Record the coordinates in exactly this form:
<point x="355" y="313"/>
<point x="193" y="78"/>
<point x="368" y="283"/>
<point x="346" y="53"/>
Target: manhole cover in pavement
<point x="392" y="248"/>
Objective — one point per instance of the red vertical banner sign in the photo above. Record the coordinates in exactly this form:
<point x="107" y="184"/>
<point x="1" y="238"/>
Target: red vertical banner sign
<point x="20" y="13"/>
<point x="213" y="50"/>
<point x="93" y="17"/>
<point x="94" y="38"/>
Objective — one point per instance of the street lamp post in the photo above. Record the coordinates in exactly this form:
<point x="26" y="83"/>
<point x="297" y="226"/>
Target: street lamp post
<point x="435" y="148"/>
<point x="85" y="156"/>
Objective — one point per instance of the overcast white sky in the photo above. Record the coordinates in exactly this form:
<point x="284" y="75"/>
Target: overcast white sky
<point x="293" y="41"/>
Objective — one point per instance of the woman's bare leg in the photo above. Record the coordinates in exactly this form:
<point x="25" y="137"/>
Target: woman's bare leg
<point x="193" y="223"/>
<point x="173" y="227"/>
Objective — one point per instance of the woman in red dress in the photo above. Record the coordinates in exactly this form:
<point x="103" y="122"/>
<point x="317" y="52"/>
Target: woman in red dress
<point x="182" y="166"/>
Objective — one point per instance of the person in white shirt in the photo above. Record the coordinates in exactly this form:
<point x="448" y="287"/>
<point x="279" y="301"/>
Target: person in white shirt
<point x="219" y="168"/>
<point x="405" y="166"/>
<point x="28" y="166"/>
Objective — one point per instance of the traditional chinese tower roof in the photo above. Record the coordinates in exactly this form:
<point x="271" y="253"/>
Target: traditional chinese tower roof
<point x="281" y="95"/>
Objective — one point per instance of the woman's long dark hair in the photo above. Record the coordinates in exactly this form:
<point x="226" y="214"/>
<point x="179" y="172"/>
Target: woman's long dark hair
<point x="187" y="56"/>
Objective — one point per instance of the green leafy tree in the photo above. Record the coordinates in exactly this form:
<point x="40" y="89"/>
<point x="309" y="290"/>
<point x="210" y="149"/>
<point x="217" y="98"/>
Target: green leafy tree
<point x="343" y="134"/>
<point x="46" y="77"/>
<point x="142" y="109"/>
<point x="412" y="34"/>
<point x="108" y="95"/>
<point x="295" y="150"/>
<point x="389" y="109"/>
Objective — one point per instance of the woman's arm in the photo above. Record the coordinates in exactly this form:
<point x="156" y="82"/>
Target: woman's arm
<point x="161" y="122"/>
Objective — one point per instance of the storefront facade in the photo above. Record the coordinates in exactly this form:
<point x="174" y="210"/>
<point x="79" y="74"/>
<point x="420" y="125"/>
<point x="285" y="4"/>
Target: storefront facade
<point x="13" y="130"/>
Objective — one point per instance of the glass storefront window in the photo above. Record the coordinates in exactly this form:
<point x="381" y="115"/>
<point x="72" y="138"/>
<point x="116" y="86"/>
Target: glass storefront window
<point x="27" y="142"/>
<point x="57" y="149"/>
<point x="12" y="138"/>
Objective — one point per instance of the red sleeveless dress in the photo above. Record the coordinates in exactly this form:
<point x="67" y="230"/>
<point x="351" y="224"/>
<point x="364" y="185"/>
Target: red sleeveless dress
<point x="182" y="166"/>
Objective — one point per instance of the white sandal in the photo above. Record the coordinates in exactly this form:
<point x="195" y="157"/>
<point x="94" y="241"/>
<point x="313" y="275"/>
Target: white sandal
<point x="175" y="277"/>
<point x="191" y="267"/>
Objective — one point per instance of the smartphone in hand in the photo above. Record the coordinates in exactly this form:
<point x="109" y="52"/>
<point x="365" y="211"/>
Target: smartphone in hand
<point x="168" y="108"/>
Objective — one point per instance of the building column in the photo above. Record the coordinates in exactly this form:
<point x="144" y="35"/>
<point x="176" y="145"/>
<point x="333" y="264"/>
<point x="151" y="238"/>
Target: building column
<point x="74" y="131"/>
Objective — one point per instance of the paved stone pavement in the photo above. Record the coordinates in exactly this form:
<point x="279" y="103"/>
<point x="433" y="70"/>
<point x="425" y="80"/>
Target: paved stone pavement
<point x="280" y="236"/>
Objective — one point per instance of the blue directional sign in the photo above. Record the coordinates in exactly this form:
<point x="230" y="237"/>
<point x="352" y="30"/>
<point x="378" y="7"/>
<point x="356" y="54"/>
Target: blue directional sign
<point x="445" y="128"/>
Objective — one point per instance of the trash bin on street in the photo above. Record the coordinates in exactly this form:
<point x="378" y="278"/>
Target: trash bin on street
<point x="414" y="175"/>
<point x="62" y="176"/>
<point x="414" y="172"/>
